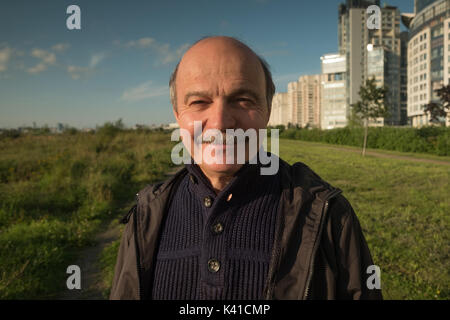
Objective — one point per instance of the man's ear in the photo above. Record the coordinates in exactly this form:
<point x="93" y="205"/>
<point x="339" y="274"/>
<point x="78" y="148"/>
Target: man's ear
<point x="175" y="113"/>
<point x="269" y="109"/>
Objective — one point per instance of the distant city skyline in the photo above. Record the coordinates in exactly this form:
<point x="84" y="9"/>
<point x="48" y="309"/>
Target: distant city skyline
<point x="118" y="65"/>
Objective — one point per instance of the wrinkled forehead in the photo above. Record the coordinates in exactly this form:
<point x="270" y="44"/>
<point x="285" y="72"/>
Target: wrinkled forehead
<point x="220" y="60"/>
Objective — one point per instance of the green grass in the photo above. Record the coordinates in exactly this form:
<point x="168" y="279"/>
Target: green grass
<point x="55" y="193"/>
<point x="403" y="207"/>
<point x="107" y="263"/>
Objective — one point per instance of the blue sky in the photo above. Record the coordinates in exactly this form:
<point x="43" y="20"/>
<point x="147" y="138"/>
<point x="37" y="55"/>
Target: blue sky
<point x="119" y="64"/>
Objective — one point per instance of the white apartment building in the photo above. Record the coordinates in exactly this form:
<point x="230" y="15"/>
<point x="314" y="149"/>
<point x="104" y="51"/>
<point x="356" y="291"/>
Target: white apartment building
<point x="334" y="108"/>
<point x="428" y="59"/>
<point x="279" y="114"/>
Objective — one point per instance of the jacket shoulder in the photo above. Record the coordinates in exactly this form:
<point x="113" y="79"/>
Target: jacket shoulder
<point x="151" y="191"/>
<point x="301" y="175"/>
<point x="340" y="211"/>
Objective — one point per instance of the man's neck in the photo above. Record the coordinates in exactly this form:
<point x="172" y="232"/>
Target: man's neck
<point x="218" y="180"/>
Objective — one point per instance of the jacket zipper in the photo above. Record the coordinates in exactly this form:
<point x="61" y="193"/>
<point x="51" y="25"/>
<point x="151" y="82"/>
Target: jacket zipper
<point x="136" y="244"/>
<point x="316" y="246"/>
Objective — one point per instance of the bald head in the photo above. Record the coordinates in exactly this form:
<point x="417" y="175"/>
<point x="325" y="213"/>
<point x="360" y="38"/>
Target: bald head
<point x="221" y="56"/>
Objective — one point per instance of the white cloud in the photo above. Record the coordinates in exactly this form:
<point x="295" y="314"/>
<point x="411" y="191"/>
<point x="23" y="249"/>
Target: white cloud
<point x="37" y="68"/>
<point x="47" y="58"/>
<point x="60" y="47"/>
<point x="141" y="43"/>
<point x="165" y="52"/>
<point x="96" y="59"/>
<point x="76" y="72"/>
<point x="5" y="56"/>
<point x="168" y="56"/>
<point x="144" y="91"/>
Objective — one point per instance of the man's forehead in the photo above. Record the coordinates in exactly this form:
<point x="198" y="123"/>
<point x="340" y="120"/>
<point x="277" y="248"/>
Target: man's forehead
<point x="218" y="57"/>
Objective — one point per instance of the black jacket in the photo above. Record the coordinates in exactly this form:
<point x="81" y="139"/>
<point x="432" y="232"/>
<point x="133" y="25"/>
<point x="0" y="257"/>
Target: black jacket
<point x="319" y="250"/>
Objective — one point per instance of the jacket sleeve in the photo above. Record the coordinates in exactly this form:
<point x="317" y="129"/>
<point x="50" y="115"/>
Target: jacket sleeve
<point x="354" y="280"/>
<point x="125" y="282"/>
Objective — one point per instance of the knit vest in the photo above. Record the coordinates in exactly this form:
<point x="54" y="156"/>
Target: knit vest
<point x="217" y="246"/>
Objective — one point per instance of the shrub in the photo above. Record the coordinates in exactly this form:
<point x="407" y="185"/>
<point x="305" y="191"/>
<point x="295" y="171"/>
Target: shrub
<point x="429" y="139"/>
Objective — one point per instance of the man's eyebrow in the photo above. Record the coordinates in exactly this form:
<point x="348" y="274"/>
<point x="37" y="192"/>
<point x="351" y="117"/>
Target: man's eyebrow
<point x="234" y="93"/>
<point x="195" y="94"/>
<point x="245" y="91"/>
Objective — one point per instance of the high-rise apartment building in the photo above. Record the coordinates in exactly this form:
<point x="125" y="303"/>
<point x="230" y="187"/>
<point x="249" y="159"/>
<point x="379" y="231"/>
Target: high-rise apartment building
<point x="419" y="5"/>
<point x="279" y="113"/>
<point x="404" y="78"/>
<point x="300" y="105"/>
<point x="294" y="103"/>
<point x="334" y="108"/>
<point x="309" y="90"/>
<point x="428" y="57"/>
<point x="354" y="36"/>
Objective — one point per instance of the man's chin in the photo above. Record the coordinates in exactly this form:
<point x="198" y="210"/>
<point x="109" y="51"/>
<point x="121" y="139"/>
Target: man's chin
<point x="218" y="168"/>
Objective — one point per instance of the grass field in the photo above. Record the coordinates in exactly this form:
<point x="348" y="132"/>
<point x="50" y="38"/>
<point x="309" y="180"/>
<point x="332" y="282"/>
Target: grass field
<point x="56" y="190"/>
<point x="404" y="211"/>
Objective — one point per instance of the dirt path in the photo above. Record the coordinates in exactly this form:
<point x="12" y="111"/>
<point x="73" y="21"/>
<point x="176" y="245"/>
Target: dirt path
<point x="88" y="261"/>
<point x="392" y="156"/>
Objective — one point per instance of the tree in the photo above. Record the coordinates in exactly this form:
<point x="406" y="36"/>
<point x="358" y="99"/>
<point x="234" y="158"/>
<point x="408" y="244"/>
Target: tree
<point x="354" y="120"/>
<point x="439" y="110"/>
<point x="372" y="105"/>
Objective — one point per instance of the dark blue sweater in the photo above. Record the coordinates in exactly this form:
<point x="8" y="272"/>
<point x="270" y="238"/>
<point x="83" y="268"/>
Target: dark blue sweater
<point x="217" y="246"/>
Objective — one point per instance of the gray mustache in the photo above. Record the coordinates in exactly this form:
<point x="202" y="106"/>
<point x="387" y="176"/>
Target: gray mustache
<point x="228" y="139"/>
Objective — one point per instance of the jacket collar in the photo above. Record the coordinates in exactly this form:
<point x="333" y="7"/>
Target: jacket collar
<point x="298" y="228"/>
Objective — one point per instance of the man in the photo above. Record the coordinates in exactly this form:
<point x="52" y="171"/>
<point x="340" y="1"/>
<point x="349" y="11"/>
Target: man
<point x="224" y="231"/>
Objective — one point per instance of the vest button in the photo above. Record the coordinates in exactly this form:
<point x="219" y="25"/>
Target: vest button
<point x="217" y="228"/>
<point x="207" y="201"/>
<point x="213" y="265"/>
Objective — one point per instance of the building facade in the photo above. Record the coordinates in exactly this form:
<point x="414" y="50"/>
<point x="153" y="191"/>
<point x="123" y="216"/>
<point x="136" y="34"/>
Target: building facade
<point x="334" y="107"/>
<point x="355" y="39"/>
<point x="294" y="103"/>
<point x="309" y="90"/>
<point x="279" y="113"/>
<point x="428" y="57"/>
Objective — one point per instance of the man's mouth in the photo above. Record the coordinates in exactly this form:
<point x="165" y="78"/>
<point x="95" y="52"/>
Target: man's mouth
<point x="213" y="140"/>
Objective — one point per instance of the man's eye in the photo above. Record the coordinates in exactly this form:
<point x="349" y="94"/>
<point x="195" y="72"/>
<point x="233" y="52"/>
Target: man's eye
<point x="198" y="102"/>
<point x="245" y="102"/>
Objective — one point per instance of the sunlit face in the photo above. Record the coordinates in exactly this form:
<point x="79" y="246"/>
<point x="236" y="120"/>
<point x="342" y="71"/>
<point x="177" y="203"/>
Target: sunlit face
<point x="221" y="85"/>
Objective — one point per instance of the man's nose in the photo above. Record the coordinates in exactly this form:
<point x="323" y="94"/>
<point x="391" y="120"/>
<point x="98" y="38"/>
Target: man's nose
<point x="221" y="116"/>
